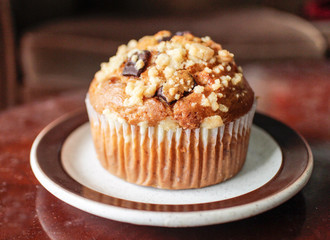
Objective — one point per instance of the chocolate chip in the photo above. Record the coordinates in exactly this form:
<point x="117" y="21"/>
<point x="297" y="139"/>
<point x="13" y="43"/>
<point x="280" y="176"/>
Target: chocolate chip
<point x="177" y="88"/>
<point x="164" y="39"/>
<point x="168" y="38"/>
<point x="160" y="95"/>
<point x="182" y="33"/>
<point x="130" y="68"/>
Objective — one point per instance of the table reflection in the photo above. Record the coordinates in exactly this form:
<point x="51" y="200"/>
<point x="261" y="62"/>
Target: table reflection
<point x="61" y="221"/>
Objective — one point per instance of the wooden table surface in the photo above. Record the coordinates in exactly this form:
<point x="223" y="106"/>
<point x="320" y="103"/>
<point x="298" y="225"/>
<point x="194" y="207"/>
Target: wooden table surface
<point x="296" y="93"/>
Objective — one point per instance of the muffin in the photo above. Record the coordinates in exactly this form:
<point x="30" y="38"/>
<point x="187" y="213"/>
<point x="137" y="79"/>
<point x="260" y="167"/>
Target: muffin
<point x="171" y="111"/>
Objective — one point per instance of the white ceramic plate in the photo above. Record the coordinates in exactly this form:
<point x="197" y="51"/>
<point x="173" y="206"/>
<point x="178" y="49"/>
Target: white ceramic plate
<point x="278" y="165"/>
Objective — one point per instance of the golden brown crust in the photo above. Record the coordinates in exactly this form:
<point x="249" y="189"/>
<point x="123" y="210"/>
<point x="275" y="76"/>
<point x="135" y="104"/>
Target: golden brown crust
<point x="186" y="79"/>
<point x="112" y="96"/>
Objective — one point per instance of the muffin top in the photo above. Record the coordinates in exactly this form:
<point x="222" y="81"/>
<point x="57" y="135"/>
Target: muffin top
<point x="175" y="80"/>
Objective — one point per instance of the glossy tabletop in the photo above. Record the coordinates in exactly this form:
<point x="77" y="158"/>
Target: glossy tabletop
<point x="296" y="93"/>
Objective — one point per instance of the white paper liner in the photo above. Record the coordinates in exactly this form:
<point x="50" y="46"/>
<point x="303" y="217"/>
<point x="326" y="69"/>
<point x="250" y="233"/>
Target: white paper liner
<point x="171" y="159"/>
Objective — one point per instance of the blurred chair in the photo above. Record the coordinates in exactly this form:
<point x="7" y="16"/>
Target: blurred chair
<point x="65" y="53"/>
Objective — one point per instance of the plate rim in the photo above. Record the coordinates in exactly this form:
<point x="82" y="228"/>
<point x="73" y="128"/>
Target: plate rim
<point x="169" y="215"/>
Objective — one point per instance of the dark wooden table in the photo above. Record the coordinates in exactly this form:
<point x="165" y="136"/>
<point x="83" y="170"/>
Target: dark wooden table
<point x="296" y="93"/>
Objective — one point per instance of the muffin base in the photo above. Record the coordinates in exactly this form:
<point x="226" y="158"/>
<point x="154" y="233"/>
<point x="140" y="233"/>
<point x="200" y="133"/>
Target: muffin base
<point x="170" y="159"/>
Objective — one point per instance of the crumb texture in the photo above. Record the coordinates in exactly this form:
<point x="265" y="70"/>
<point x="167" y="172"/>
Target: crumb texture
<point x="178" y="78"/>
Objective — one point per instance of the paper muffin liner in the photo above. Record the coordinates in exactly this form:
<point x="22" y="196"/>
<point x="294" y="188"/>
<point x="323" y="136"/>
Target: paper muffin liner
<point x="170" y="159"/>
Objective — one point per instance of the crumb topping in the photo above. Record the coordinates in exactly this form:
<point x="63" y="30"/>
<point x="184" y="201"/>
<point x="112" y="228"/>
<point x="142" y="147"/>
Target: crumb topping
<point x="212" y="122"/>
<point x="174" y="70"/>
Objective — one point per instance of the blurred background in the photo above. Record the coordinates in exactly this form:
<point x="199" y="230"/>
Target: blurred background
<point x="50" y="50"/>
<point x="50" y="47"/>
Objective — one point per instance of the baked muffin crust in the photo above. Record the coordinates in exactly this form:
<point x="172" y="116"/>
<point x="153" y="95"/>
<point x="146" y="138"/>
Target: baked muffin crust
<point x="175" y="80"/>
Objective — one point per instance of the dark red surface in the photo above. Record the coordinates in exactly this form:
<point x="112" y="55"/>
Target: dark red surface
<point x="28" y="211"/>
<point x="296" y="157"/>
